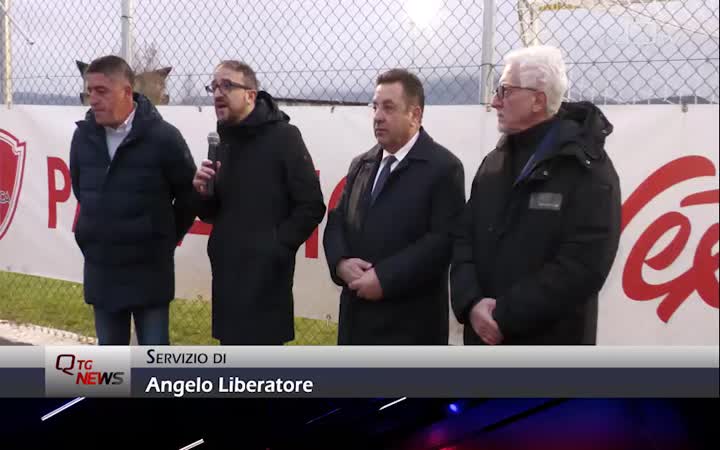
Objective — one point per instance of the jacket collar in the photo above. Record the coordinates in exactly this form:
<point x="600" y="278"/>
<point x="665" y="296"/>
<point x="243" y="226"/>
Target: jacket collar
<point x="568" y="142"/>
<point x="421" y="151"/>
<point x="145" y="113"/>
<point x="266" y="111"/>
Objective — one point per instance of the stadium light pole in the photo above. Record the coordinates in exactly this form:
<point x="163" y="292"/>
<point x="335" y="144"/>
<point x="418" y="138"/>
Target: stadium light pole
<point x="7" y="80"/>
<point x="126" y="31"/>
<point x="126" y="52"/>
<point x="488" y="53"/>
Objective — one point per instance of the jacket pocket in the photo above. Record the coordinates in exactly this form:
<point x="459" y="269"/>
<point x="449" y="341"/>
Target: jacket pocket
<point x="283" y="253"/>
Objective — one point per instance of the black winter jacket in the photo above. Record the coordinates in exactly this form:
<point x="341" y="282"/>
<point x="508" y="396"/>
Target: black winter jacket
<point x="543" y="245"/>
<point x="405" y="234"/>
<point x="267" y="202"/>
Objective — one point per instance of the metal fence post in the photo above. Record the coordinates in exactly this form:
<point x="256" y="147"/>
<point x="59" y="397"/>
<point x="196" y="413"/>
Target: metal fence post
<point x="126" y="53"/>
<point x="488" y="52"/>
<point x="7" y="55"/>
<point x="126" y="50"/>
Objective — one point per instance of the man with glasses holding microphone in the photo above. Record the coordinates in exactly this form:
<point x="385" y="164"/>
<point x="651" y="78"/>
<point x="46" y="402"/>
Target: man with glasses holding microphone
<point x="264" y="200"/>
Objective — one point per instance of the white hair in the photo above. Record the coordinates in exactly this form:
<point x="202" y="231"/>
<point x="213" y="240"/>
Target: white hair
<point x="540" y="67"/>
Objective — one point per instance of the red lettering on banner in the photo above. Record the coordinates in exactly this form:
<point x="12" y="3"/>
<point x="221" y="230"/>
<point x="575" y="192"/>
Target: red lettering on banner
<point x="60" y="195"/>
<point x="200" y="227"/>
<point x="700" y="277"/>
<point x="336" y="194"/>
<point x="312" y="245"/>
<point x="77" y="214"/>
<point x="56" y="195"/>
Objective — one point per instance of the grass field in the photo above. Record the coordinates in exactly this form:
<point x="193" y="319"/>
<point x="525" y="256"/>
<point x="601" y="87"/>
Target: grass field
<point x="59" y="304"/>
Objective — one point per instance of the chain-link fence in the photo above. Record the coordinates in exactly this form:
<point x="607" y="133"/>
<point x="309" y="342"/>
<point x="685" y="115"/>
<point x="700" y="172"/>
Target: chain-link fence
<point x="318" y="51"/>
<point x="56" y="307"/>
<point x="623" y="51"/>
<point x="619" y="51"/>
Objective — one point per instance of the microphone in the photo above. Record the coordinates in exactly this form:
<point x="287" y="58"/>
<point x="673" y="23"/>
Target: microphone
<point x="213" y="144"/>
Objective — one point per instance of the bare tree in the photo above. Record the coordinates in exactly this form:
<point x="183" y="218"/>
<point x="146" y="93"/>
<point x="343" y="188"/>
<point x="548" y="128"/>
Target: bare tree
<point x="146" y="58"/>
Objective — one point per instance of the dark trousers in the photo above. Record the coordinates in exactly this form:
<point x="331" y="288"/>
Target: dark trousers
<point x="152" y="326"/>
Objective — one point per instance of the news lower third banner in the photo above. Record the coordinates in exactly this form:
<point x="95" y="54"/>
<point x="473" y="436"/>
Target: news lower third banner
<point x="472" y="372"/>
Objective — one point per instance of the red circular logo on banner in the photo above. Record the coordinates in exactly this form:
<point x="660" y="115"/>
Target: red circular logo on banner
<point x="12" y="167"/>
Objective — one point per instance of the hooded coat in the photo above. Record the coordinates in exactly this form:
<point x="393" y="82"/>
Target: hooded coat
<point x="267" y="202"/>
<point x="541" y="241"/>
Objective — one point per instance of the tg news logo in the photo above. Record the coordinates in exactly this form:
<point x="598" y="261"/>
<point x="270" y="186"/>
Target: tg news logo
<point x="82" y="371"/>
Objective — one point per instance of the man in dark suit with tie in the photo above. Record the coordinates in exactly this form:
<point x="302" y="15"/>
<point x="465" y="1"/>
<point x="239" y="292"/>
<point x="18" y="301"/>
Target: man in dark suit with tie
<point x="388" y="241"/>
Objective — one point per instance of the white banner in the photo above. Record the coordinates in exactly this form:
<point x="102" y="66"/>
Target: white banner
<point x="663" y="288"/>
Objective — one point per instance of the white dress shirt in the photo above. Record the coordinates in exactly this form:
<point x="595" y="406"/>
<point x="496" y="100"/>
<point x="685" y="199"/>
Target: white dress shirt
<point x="399" y="156"/>
<point x="115" y="136"/>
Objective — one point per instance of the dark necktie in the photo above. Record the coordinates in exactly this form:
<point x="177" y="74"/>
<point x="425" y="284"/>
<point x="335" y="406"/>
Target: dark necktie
<point x="384" y="175"/>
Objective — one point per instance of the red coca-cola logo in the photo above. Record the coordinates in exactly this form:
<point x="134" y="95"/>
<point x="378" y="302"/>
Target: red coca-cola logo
<point x="700" y="276"/>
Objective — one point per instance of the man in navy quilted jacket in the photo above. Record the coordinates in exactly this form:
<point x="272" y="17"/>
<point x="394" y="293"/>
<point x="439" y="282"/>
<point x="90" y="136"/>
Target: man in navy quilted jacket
<point x="132" y="176"/>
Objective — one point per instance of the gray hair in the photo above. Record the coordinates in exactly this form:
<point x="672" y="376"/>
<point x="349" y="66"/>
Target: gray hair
<point x="541" y="67"/>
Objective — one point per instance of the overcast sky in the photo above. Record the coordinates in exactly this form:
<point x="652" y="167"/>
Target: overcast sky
<point x="338" y="46"/>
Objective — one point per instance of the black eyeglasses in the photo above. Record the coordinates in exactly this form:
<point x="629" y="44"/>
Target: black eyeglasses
<point x="504" y="89"/>
<point x="225" y="86"/>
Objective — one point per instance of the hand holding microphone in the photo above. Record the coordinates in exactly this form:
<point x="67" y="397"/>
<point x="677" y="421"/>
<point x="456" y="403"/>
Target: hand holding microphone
<point x="204" y="181"/>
